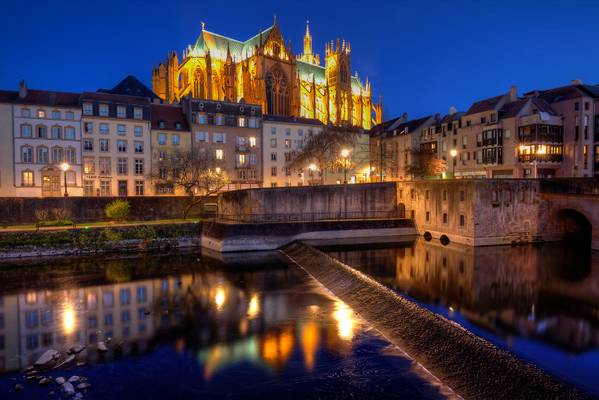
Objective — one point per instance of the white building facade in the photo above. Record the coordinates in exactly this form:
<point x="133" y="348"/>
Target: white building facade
<point x="283" y="138"/>
<point x="46" y="136"/>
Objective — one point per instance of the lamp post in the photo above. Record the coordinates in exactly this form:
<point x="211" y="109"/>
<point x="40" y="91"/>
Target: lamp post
<point x="65" y="167"/>
<point x="453" y="153"/>
<point x="345" y="154"/>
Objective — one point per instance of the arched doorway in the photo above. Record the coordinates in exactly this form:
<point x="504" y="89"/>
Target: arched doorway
<point x="51" y="182"/>
<point x="576" y="227"/>
<point x="277" y="91"/>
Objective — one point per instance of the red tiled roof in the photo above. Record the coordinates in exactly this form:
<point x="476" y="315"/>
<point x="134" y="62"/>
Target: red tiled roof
<point x="484" y="105"/>
<point x="49" y="98"/>
<point x="170" y="115"/>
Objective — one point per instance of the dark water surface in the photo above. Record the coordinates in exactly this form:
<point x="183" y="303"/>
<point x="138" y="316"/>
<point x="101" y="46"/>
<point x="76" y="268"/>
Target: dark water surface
<point x="183" y="326"/>
<point x="539" y="302"/>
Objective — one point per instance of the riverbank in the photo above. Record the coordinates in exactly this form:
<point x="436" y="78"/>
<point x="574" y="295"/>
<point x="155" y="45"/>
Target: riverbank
<point x="90" y="240"/>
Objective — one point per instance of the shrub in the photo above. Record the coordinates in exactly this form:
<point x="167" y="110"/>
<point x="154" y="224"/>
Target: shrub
<point x="61" y="214"/>
<point x="41" y="215"/>
<point x="118" y="210"/>
<point x="112" y="235"/>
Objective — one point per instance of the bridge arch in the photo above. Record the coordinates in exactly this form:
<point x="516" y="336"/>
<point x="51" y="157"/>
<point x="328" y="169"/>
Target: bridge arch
<point x="576" y="227"/>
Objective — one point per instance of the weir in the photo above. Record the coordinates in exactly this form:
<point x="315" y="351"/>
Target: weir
<point x="470" y="365"/>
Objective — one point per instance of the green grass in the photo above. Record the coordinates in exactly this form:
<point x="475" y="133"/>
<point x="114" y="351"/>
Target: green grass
<point x="63" y="225"/>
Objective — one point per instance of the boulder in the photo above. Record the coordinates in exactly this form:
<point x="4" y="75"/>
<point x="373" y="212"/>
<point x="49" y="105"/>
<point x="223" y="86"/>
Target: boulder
<point x="47" y="359"/>
<point x="76" y="349"/>
<point x="68" y="389"/>
<point x="60" y="380"/>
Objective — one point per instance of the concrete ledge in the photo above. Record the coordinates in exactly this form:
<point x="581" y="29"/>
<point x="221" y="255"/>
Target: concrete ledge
<point x="230" y="237"/>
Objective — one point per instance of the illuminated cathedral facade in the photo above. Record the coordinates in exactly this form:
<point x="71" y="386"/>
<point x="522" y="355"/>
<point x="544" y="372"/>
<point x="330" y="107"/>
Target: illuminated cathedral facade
<point x="263" y="70"/>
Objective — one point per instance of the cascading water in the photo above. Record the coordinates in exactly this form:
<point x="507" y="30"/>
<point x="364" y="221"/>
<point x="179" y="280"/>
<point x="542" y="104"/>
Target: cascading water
<point x="470" y="365"/>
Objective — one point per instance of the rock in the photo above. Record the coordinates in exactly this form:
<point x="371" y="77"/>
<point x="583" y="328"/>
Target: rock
<point x="80" y="364"/>
<point x="78" y="396"/>
<point x="51" y="393"/>
<point x="31" y="372"/>
<point x="47" y="359"/>
<point x="83" y="386"/>
<point x="60" y="380"/>
<point x="66" y="361"/>
<point x="33" y="377"/>
<point x="18" y="387"/>
<point x="44" y="381"/>
<point x="68" y="389"/>
<point x="102" y="347"/>
<point x="74" y="378"/>
<point x="76" y="349"/>
<point x="29" y="369"/>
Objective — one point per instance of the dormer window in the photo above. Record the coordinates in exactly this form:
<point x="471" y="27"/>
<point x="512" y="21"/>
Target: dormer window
<point x="218" y="106"/>
<point x="88" y="109"/>
<point x="201" y="106"/>
<point x="103" y="110"/>
<point x="177" y="125"/>
<point x="121" y="112"/>
<point x="161" y="124"/>
<point x="241" y="109"/>
<point x="253" y="110"/>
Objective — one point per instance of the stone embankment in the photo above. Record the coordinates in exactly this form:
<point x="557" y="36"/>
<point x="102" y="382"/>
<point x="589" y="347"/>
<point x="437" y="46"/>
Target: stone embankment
<point x="471" y="366"/>
<point x="78" y="242"/>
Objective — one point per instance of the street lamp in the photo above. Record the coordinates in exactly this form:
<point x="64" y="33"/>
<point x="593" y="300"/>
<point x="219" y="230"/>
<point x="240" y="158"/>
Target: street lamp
<point x="65" y="167"/>
<point x="345" y="154"/>
<point x="312" y="168"/>
<point x="453" y="153"/>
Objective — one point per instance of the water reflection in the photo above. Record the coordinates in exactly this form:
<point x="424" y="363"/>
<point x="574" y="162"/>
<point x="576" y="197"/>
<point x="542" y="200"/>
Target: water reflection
<point x="269" y="318"/>
<point x="516" y="296"/>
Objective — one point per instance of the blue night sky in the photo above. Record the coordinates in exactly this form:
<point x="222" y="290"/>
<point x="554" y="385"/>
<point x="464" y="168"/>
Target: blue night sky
<point x="421" y="56"/>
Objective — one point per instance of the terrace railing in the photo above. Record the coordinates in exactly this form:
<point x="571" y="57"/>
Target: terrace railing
<point x="313" y="217"/>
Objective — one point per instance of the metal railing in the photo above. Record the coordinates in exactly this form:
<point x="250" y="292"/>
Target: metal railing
<point x="313" y="217"/>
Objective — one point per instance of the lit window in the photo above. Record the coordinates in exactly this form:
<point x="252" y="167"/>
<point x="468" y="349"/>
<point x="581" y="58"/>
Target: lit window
<point x="89" y="166"/>
<point x="287" y="143"/>
<point x="219" y="154"/>
<point x="103" y="110"/>
<point x="252" y="141"/>
<point x="242" y="122"/>
<point x="41" y="114"/>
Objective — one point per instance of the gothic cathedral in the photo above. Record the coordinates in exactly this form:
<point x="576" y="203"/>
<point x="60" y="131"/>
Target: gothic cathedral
<point x="263" y="70"/>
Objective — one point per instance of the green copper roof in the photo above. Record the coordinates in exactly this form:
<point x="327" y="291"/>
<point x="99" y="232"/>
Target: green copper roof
<point x="218" y="44"/>
<point x="307" y="71"/>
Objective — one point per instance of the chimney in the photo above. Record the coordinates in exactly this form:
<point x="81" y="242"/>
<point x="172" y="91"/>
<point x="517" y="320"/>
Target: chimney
<point x="452" y="110"/>
<point x="22" y="89"/>
<point x="576" y="81"/>
<point x="513" y="93"/>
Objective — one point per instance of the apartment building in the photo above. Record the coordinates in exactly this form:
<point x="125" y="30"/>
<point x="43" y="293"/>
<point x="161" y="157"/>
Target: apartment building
<point x="115" y="144"/>
<point x="393" y="144"/>
<point x="283" y="138"/>
<point x="170" y="136"/>
<point x="7" y="180"/>
<point x="46" y="143"/>
<point x="230" y="136"/>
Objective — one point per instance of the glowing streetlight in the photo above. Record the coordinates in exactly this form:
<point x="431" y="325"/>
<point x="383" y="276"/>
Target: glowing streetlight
<point x="312" y="167"/>
<point x="344" y="154"/>
<point x="65" y="167"/>
<point x="453" y="154"/>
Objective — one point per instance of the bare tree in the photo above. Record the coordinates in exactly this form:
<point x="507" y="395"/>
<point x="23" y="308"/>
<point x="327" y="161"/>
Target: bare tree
<point x="324" y="150"/>
<point x="195" y="172"/>
<point x="424" y="164"/>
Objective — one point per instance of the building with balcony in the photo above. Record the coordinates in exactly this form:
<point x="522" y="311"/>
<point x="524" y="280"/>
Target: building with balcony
<point x="230" y="136"/>
<point x="115" y="144"/>
<point x="46" y="135"/>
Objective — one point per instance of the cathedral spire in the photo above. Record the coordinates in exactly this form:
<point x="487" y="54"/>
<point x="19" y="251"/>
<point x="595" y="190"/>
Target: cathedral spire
<point x="307" y="41"/>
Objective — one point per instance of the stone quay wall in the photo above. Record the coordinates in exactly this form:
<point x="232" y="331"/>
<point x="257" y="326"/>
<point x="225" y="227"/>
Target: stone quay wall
<point x="309" y="202"/>
<point x="21" y="210"/>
